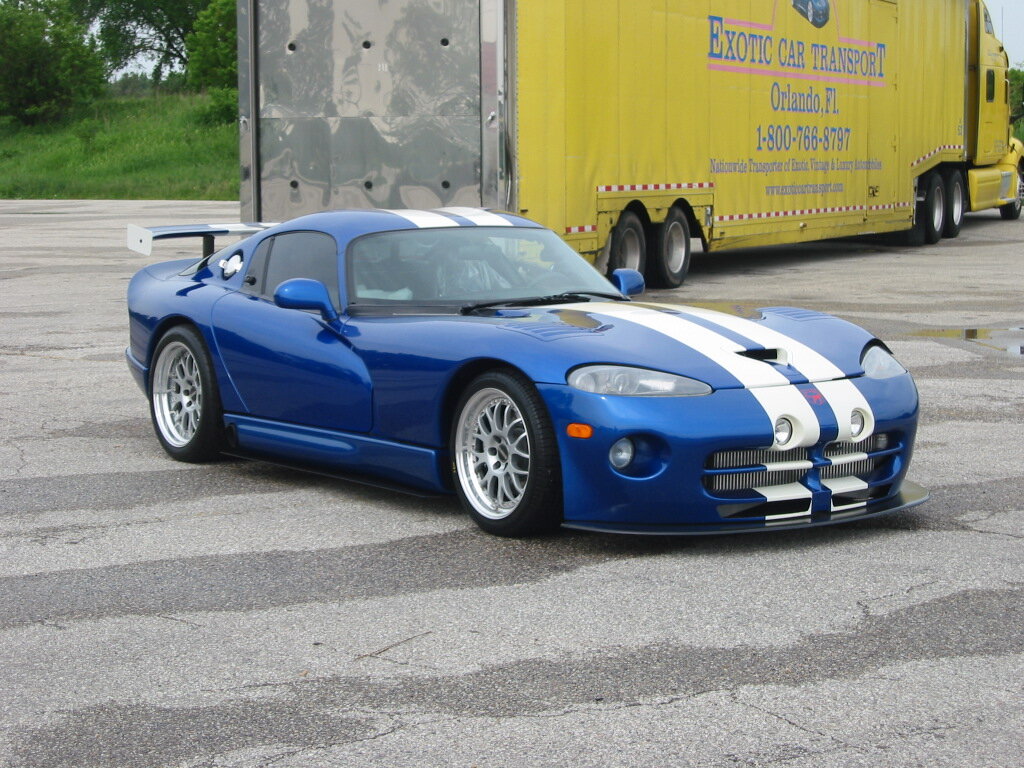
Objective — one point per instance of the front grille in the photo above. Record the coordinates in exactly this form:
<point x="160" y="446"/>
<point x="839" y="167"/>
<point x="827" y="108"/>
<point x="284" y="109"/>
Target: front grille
<point x="856" y="459"/>
<point x="755" y="468"/>
<point x="745" y="469"/>
<point x="741" y="481"/>
<point x="752" y="457"/>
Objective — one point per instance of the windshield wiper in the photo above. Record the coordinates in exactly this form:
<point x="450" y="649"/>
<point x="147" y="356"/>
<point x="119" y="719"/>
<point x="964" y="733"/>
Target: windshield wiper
<point x="536" y="301"/>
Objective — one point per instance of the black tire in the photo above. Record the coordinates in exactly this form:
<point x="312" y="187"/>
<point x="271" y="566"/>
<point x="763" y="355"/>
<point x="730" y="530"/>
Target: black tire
<point x="629" y="246"/>
<point x="956" y="203"/>
<point x="1011" y="211"/>
<point x="932" y="210"/>
<point x="505" y="463"/>
<point x="670" y="254"/>
<point x="184" y="403"/>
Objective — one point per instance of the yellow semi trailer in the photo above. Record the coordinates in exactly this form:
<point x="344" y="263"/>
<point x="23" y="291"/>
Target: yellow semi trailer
<point x="632" y="126"/>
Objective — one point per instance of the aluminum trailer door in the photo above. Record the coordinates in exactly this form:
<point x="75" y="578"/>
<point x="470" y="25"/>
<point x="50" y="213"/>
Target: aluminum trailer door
<point x="359" y="103"/>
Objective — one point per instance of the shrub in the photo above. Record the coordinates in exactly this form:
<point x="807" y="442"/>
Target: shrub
<point x="222" y="107"/>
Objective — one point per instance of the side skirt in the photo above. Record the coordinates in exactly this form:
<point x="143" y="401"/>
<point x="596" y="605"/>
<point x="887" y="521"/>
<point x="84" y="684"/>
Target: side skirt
<point x="359" y="458"/>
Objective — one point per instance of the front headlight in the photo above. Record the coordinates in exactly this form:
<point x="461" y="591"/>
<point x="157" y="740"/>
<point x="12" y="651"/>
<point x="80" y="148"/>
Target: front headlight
<point x="634" y="382"/>
<point x="879" y="364"/>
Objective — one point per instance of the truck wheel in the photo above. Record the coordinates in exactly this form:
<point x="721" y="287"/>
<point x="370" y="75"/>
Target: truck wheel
<point x="670" y="254"/>
<point x="932" y="210"/>
<point x="956" y="202"/>
<point x="629" y="247"/>
<point x="1011" y="211"/>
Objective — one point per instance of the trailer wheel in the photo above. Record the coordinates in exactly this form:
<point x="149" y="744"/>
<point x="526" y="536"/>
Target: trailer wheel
<point x="1011" y="211"/>
<point x="956" y="203"/>
<point x="932" y="210"/>
<point x="670" y="254"/>
<point x="629" y="246"/>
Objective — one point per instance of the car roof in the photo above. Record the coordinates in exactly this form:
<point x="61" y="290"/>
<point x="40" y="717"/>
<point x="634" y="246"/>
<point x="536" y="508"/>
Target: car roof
<point x="346" y="225"/>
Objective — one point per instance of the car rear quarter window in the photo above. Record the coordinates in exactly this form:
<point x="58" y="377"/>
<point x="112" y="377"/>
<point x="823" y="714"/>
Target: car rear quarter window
<point x="312" y="255"/>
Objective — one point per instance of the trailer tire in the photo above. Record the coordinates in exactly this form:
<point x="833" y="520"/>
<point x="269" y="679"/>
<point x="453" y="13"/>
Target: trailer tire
<point x="670" y="253"/>
<point x="629" y="246"/>
<point x="1011" y="211"/>
<point x="956" y="203"/>
<point x="932" y="210"/>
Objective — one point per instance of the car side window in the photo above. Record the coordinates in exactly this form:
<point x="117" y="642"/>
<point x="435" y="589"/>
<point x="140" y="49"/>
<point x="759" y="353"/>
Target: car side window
<point x="253" y="282"/>
<point x="312" y="255"/>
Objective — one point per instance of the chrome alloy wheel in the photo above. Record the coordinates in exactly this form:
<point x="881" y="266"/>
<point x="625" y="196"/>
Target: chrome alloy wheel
<point x="177" y="394"/>
<point x="492" y="453"/>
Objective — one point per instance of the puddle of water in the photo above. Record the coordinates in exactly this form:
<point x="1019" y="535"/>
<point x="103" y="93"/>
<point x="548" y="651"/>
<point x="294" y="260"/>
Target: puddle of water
<point x="1009" y="340"/>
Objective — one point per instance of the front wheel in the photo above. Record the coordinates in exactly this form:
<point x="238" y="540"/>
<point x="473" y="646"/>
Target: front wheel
<point x="183" y="399"/>
<point x="1011" y="211"/>
<point x="505" y="462"/>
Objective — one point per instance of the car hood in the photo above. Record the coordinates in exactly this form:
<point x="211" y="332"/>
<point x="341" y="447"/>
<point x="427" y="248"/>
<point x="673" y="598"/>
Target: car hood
<point x="779" y="345"/>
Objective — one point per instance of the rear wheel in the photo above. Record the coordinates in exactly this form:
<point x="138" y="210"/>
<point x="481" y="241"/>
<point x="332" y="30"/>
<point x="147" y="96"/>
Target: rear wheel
<point x="932" y="209"/>
<point x="505" y="462"/>
<point x="956" y="203"/>
<point x="1011" y="211"/>
<point x="183" y="400"/>
<point x="629" y="246"/>
<point x="670" y="256"/>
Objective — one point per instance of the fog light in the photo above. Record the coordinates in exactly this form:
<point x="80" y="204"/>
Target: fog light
<point x="783" y="431"/>
<point x="622" y="453"/>
<point x="857" y="422"/>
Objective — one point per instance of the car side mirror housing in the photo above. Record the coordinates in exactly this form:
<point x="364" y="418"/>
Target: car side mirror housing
<point x="628" y="281"/>
<point x="303" y="293"/>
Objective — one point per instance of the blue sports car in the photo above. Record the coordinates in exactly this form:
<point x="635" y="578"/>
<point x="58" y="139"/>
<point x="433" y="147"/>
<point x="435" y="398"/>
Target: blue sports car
<point x="468" y="351"/>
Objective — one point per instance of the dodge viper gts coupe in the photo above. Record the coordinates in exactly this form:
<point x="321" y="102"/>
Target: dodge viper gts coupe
<point x="469" y="351"/>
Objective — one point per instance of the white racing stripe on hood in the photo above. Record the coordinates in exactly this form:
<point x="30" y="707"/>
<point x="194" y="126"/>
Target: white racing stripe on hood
<point x="771" y="389"/>
<point x="840" y="393"/>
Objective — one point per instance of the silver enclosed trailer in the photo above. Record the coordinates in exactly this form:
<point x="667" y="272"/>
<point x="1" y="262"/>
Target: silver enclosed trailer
<point x="386" y="103"/>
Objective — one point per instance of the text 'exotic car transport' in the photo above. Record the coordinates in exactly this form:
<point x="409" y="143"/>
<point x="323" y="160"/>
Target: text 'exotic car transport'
<point x="469" y="351"/>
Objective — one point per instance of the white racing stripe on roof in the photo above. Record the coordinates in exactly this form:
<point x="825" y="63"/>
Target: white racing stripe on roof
<point x="478" y="216"/>
<point x="841" y="394"/>
<point x="424" y="219"/>
<point x="769" y="387"/>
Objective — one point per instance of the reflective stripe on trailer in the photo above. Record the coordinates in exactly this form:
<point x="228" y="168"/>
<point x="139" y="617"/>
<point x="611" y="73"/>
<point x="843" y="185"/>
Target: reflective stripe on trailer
<point x="810" y="211"/>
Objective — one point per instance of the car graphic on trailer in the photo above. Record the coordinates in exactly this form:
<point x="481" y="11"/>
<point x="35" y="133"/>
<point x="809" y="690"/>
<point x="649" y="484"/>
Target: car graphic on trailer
<point x="815" y="11"/>
<point x="473" y="352"/>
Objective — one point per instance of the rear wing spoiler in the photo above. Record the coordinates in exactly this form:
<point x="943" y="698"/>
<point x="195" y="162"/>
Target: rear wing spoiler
<point x="140" y="239"/>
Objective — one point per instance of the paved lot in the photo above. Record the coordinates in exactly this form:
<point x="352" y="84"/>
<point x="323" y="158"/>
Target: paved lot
<point x="159" y="614"/>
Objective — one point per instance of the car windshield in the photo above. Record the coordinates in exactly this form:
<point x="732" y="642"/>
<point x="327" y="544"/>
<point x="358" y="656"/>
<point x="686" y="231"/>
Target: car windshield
<point x="466" y="266"/>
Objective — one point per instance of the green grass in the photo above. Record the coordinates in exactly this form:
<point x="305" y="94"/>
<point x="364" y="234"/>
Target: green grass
<point x="146" y="148"/>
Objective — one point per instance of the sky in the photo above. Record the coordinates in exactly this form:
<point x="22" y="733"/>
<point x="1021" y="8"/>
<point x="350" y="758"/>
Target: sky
<point x="1008" y="18"/>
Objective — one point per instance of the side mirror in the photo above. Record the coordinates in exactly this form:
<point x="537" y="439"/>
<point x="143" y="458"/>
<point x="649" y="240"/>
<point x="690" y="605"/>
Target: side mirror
<point x="303" y="293"/>
<point x="628" y="281"/>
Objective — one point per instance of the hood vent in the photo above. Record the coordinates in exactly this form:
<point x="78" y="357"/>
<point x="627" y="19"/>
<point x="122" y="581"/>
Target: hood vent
<point x="776" y="355"/>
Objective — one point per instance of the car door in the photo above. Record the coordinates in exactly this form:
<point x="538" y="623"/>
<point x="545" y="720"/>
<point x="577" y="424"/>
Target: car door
<point x="290" y="365"/>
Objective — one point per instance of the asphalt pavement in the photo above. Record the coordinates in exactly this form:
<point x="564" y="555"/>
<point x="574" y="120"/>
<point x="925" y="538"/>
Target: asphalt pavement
<point x="163" y="615"/>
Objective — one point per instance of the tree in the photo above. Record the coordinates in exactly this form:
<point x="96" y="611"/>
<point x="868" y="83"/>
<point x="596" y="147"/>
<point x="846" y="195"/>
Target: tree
<point x="48" y="61"/>
<point x="212" y="47"/>
<point x="131" y="28"/>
